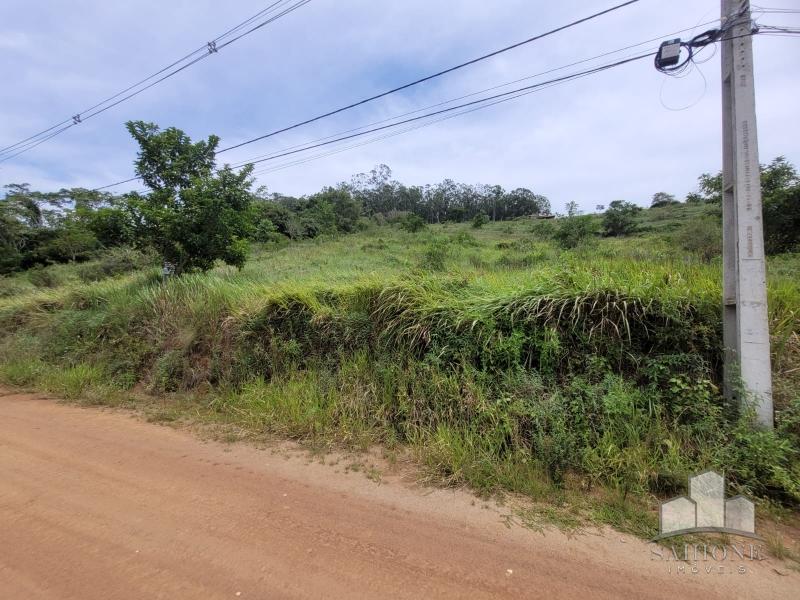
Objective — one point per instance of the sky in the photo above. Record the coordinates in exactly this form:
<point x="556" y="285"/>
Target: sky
<point x="624" y="133"/>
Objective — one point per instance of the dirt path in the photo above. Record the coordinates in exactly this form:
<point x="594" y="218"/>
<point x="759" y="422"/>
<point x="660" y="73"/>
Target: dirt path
<point x="98" y="504"/>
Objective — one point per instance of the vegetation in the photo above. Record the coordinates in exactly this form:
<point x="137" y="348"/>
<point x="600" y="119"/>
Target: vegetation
<point x="192" y="216"/>
<point x="619" y="218"/>
<point x="522" y="355"/>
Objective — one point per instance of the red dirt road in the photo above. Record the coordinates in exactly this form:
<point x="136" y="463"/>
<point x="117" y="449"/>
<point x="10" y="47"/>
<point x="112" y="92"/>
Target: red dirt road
<point x="98" y="504"/>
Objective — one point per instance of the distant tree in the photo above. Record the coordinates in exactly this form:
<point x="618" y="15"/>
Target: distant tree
<point x="479" y="220"/>
<point x="711" y="187"/>
<point x="71" y="242"/>
<point x="346" y="208"/>
<point x="780" y="191"/>
<point x="193" y="215"/>
<point x="111" y="225"/>
<point x="522" y="202"/>
<point x="780" y="188"/>
<point x="318" y="218"/>
<point x="777" y="177"/>
<point x="620" y="219"/>
<point x="662" y="199"/>
<point x="694" y="198"/>
<point x="572" y="208"/>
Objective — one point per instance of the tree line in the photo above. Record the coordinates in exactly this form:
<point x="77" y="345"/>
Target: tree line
<point x="196" y="213"/>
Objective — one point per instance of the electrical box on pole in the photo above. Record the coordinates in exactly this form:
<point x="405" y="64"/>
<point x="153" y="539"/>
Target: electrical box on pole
<point x="748" y="374"/>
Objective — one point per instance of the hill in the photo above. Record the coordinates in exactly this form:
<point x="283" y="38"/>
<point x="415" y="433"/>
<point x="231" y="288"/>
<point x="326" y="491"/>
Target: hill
<point x="499" y="358"/>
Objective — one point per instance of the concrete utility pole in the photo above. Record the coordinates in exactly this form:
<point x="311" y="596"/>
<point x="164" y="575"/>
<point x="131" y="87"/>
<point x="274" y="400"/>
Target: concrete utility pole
<point x="748" y="370"/>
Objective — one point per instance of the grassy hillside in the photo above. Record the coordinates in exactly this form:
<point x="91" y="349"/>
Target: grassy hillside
<point x="583" y="377"/>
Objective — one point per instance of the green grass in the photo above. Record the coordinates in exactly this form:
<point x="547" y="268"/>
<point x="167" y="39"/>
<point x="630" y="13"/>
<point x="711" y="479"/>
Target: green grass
<point x="586" y="380"/>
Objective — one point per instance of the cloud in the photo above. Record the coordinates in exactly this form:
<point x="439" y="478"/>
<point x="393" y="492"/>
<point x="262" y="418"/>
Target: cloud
<point x="600" y="138"/>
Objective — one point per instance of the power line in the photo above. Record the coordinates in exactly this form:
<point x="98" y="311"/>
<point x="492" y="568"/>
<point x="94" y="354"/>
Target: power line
<point x="418" y="81"/>
<point x="412" y="128"/>
<point x="471" y="94"/>
<point x="505" y="95"/>
<point x="212" y="47"/>
<point x="433" y="76"/>
<point x="511" y="96"/>
<point x="334" y="138"/>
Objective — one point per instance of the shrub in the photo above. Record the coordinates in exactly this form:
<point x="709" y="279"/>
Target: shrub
<point x="44" y="277"/>
<point x="619" y="219"/>
<point x="702" y="237"/>
<point x="543" y="228"/>
<point x="462" y="238"/>
<point x="479" y="220"/>
<point x="115" y="261"/>
<point x="573" y="231"/>
<point x="782" y="221"/>
<point x="413" y="223"/>
<point x="435" y="256"/>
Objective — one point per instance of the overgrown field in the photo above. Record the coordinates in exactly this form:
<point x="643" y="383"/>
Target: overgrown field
<point x="499" y="359"/>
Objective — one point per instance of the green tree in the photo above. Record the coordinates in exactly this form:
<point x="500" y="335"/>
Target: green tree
<point x="193" y="215"/>
<point x="780" y="191"/>
<point x="711" y="187"/>
<point x="111" y="225"/>
<point x="662" y="199"/>
<point x="780" y="188"/>
<point x="620" y="218"/>
<point x="346" y="209"/>
<point x="70" y="243"/>
<point x="572" y="208"/>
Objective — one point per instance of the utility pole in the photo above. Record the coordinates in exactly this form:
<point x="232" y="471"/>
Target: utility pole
<point x="748" y="374"/>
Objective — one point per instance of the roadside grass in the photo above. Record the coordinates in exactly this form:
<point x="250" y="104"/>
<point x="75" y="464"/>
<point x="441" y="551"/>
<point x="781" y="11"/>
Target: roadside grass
<point x="585" y="382"/>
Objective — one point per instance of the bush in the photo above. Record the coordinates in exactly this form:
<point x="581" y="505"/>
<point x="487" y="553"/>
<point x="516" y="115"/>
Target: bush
<point x="44" y="277"/>
<point x="115" y="261"/>
<point x="619" y="219"/>
<point x="435" y="256"/>
<point x="413" y="223"/>
<point x="573" y="231"/>
<point x="479" y="220"/>
<point x="702" y="237"/>
<point x="462" y="238"/>
<point x="782" y="221"/>
<point x="543" y="228"/>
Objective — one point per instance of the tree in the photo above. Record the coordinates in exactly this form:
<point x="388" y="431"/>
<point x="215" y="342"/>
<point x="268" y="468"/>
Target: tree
<point x="694" y="198"/>
<point x="70" y="242"/>
<point x="522" y="202"/>
<point x="780" y="191"/>
<point x="572" y="208"/>
<point x="111" y="225"/>
<point x="662" y="199"/>
<point x="619" y="218"/>
<point x="711" y="187"/>
<point x="780" y="188"/>
<point x="346" y="209"/>
<point x="193" y="215"/>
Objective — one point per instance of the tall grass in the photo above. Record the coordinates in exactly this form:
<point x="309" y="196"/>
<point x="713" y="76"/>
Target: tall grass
<point x="504" y="362"/>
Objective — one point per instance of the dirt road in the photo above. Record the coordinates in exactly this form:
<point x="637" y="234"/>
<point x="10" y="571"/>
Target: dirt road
<point x="99" y="504"/>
